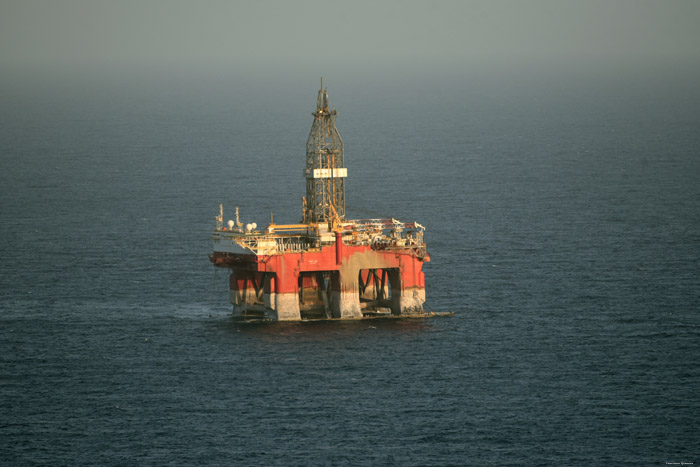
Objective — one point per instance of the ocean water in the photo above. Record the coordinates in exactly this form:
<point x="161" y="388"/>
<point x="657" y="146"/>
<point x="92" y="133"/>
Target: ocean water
<point x="563" y="222"/>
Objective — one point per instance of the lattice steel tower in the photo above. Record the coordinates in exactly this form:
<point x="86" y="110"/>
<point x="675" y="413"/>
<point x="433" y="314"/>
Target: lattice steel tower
<point x="325" y="172"/>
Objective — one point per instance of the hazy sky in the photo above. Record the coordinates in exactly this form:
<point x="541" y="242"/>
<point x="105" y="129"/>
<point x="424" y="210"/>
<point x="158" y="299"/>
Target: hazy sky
<point x="174" y="32"/>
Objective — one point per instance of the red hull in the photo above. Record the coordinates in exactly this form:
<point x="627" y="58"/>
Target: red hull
<point x="349" y="269"/>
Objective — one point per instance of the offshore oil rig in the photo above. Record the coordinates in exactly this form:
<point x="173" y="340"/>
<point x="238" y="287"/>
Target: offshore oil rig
<point x="326" y="266"/>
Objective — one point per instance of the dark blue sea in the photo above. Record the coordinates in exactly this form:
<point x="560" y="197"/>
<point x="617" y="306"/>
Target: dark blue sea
<point x="563" y="220"/>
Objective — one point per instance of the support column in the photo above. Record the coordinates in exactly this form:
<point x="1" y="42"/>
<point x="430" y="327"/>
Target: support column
<point x="396" y="292"/>
<point x="269" y="291"/>
<point x="407" y="288"/>
<point x="286" y="298"/>
<point x="345" y="296"/>
<point x="411" y="300"/>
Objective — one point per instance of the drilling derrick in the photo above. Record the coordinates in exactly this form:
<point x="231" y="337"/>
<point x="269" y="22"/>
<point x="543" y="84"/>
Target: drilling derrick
<point x="327" y="266"/>
<point x="325" y="172"/>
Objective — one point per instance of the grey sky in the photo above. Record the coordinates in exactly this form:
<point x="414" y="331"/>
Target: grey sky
<point x="179" y="32"/>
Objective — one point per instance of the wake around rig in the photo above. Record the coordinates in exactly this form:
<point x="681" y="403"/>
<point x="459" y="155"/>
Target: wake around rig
<point x="327" y="266"/>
